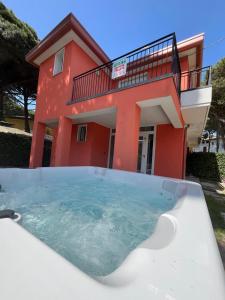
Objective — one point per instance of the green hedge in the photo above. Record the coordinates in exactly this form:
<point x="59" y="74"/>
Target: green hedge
<point x="206" y="165"/>
<point x="15" y="150"/>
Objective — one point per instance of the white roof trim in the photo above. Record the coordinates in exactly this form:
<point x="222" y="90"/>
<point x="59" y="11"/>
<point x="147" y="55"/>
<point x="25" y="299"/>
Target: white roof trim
<point x="59" y="44"/>
<point x="191" y="38"/>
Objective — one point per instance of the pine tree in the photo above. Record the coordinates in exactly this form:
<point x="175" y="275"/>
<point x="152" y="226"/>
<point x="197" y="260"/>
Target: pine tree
<point x="18" y="79"/>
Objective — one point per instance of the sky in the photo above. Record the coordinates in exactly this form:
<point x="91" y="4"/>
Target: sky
<point x="120" y="26"/>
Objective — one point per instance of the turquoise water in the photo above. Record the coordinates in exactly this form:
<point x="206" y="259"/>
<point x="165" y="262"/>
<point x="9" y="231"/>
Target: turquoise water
<point x="92" y="222"/>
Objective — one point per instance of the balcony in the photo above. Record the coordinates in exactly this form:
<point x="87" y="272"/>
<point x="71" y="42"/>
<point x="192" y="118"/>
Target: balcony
<point x="198" y="78"/>
<point x="195" y="99"/>
<point x="151" y="62"/>
<point x="196" y="87"/>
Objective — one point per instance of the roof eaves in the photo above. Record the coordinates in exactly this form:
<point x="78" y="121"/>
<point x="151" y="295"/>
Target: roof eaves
<point x="68" y="23"/>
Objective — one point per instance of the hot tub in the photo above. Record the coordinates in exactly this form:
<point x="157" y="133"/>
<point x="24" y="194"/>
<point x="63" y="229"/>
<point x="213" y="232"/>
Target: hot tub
<point x="95" y="233"/>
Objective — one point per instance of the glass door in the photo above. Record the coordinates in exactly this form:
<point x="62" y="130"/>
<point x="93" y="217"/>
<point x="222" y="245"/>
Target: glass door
<point x="149" y="154"/>
<point x="140" y="154"/>
<point x="145" y="151"/>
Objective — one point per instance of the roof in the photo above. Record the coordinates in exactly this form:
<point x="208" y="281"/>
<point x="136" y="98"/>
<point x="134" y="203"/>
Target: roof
<point x="71" y="29"/>
<point x="30" y="117"/>
<point x="13" y="130"/>
<point x="195" y="43"/>
<point x="195" y="39"/>
<point x="66" y="25"/>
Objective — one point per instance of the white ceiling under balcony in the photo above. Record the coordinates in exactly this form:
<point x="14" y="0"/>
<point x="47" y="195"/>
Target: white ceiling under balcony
<point x="195" y="106"/>
<point x="153" y="115"/>
<point x="107" y="117"/>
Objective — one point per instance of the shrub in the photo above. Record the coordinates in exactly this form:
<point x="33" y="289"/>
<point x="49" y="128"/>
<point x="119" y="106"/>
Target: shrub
<point x="15" y="150"/>
<point x="206" y="165"/>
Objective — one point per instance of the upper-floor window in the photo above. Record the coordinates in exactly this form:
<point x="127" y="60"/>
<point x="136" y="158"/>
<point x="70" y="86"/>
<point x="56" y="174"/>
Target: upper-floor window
<point x="131" y="80"/>
<point x="58" y="63"/>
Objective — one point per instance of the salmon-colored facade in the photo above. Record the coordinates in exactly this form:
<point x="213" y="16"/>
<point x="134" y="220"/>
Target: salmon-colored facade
<point x="133" y="122"/>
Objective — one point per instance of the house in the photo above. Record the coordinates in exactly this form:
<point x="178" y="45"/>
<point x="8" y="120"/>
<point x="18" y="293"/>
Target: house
<point x="17" y="121"/>
<point x="210" y="144"/>
<point x="138" y="112"/>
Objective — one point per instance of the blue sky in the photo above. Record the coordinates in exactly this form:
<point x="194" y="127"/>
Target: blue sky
<point x="119" y="26"/>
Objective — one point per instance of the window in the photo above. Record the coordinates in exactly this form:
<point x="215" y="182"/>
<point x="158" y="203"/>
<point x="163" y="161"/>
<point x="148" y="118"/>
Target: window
<point x="129" y="81"/>
<point x="147" y="128"/>
<point x="58" y="63"/>
<point x="82" y="133"/>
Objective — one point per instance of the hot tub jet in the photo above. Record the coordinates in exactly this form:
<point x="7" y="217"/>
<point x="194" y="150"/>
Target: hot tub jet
<point x="9" y="213"/>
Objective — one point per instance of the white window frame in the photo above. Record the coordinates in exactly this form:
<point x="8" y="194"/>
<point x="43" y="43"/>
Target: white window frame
<point x="154" y="132"/>
<point x="78" y="133"/>
<point x="55" y="72"/>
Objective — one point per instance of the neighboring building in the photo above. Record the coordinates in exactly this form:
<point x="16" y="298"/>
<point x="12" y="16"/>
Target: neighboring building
<point x="18" y="122"/>
<point x="210" y="145"/>
<point x="135" y="113"/>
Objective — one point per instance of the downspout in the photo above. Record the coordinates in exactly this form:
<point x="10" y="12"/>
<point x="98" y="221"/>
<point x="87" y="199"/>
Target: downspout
<point x="184" y="152"/>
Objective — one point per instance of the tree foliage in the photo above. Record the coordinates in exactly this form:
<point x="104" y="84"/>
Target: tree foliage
<point x="16" y="39"/>
<point x="18" y="79"/>
<point x="11" y="108"/>
<point x="218" y="83"/>
<point x="216" y="121"/>
<point x="15" y="150"/>
<point x="210" y="166"/>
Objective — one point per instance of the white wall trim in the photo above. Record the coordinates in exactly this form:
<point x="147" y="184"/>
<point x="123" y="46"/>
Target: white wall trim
<point x="153" y="152"/>
<point x="168" y="106"/>
<point x="54" y="73"/>
<point x="109" y="147"/>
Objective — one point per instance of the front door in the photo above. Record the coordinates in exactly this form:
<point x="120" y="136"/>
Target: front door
<point x="145" y="151"/>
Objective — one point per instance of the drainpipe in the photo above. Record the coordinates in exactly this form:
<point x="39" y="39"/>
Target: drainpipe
<point x="186" y="126"/>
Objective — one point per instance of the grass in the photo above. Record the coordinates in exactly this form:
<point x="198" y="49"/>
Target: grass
<point x="215" y="208"/>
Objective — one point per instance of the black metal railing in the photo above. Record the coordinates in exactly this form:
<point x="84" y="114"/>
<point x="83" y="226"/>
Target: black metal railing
<point x="197" y="78"/>
<point x="148" y="63"/>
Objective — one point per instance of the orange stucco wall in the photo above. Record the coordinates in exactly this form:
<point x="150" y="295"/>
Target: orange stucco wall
<point x="93" y="152"/>
<point x="126" y="138"/>
<point x="54" y="92"/>
<point x="37" y="145"/>
<point x="184" y="64"/>
<point x="63" y="140"/>
<point x="54" y="138"/>
<point x="169" y="151"/>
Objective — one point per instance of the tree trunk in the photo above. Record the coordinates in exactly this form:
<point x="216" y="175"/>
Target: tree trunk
<point x="219" y="133"/>
<point x="222" y="133"/>
<point x="217" y="138"/>
<point x="26" y="113"/>
<point x="1" y="106"/>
